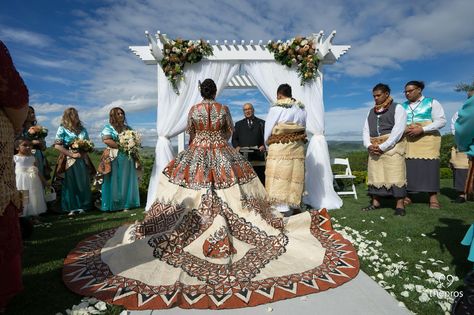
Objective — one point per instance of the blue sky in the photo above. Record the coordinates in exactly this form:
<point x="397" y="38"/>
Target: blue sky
<point x="75" y="52"/>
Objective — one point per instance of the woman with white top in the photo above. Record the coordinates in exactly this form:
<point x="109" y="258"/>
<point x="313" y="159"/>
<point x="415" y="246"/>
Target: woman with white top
<point x="425" y="117"/>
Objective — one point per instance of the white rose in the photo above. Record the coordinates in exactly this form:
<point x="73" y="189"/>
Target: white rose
<point x="101" y="306"/>
<point x="424" y="298"/>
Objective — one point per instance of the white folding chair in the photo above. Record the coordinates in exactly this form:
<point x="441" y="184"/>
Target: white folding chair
<point x="347" y="175"/>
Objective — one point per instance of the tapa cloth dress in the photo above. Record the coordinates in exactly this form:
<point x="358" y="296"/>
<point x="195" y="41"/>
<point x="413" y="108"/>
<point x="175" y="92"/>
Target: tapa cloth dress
<point x="211" y="240"/>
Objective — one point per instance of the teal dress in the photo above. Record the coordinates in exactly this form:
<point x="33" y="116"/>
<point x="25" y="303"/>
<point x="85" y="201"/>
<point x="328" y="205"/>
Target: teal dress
<point x="468" y="240"/>
<point x="120" y="186"/>
<point x="464" y="135"/>
<point x="76" y="185"/>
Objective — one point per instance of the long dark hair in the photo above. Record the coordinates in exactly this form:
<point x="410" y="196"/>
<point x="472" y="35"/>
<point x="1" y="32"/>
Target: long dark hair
<point x="208" y="89"/>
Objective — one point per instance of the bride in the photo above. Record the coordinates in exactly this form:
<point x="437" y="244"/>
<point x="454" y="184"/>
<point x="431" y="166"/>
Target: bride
<point x="211" y="239"/>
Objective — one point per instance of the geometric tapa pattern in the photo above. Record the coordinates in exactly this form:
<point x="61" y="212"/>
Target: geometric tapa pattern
<point x="85" y="273"/>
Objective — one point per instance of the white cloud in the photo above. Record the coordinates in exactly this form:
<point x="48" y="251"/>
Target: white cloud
<point x="439" y="28"/>
<point x="351" y="129"/>
<point x="46" y="108"/>
<point x="25" y="37"/>
<point x="439" y="86"/>
<point x="383" y="36"/>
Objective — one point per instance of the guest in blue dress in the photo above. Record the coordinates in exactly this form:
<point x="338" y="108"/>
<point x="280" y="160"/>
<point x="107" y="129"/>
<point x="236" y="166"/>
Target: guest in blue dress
<point x="39" y="145"/>
<point x="75" y="168"/>
<point x="120" y="185"/>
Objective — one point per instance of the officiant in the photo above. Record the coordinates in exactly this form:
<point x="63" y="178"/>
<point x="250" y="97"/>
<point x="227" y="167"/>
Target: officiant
<point x="248" y="133"/>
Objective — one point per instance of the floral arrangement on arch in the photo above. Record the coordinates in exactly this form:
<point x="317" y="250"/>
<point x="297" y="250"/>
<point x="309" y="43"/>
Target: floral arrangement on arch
<point x="37" y="132"/>
<point x="177" y="52"/>
<point x="297" y="51"/>
<point x="130" y="142"/>
<point x="82" y="146"/>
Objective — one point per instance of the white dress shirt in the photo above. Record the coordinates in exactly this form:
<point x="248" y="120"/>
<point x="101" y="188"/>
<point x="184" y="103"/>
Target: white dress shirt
<point x="437" y="115"/>
<point x="396" y="133"/>
<point x="278" y="114"/>
<point x="453" y="121"/>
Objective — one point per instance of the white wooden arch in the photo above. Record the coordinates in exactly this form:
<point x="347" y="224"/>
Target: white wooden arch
<point x="318" y="168"/>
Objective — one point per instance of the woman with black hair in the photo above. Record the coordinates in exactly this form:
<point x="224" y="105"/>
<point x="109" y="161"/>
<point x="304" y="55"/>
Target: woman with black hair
<point x="425" y="117"/>
<point x="211" y="239"/>
<point x="38" y="142"/>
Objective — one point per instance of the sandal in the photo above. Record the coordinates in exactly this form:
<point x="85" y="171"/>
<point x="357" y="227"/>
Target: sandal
<point x="370" y="208"/>
<point x="400" y="212"/>
<point x="435" y="205"/>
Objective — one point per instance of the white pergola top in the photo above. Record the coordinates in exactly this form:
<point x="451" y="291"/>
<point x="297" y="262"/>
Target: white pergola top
<point x="241" y="51"/>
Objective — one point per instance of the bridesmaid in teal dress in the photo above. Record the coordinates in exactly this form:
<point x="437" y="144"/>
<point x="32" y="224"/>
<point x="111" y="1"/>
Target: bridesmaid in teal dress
<point x="120" y="186"/>
<point x="74" y="167"/>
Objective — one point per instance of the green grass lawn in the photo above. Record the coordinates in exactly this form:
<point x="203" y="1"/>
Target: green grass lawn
<point x="438" y="232"/>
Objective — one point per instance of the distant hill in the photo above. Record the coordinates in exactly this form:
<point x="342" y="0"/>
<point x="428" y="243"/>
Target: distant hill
<point x="342" y="148"/>
<point x="336" y="148"/>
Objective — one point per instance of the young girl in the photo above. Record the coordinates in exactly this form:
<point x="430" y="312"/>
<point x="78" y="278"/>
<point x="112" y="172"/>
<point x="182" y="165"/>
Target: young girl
<point x="28" y="178"/>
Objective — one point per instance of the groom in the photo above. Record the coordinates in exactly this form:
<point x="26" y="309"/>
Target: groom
<point x="285" y="136"/>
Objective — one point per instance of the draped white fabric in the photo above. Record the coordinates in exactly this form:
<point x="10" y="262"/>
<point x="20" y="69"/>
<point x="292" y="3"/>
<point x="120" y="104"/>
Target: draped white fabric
<point x="318" y="174"/>
<point x="173" y="109"/>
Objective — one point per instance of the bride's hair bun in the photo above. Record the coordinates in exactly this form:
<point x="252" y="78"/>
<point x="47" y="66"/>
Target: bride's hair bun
<point x="208" y="89"/>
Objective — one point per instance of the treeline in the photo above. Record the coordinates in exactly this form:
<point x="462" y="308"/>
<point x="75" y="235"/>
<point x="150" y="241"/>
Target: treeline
<point x="358" y="159"/>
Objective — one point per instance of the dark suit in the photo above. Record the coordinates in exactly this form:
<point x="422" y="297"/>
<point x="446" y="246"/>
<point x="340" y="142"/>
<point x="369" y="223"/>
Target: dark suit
<point x="248" y="134"/>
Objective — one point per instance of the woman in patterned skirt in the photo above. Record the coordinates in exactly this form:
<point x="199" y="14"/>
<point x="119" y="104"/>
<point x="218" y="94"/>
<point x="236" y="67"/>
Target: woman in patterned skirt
<point x="211" y="239"/>
<point x="13" y="111"/>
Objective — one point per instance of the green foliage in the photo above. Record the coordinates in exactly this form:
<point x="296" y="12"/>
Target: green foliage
<point x="447" y="142"/>
<point x="422" y="234"/>
<point x="358" y="160"/>
<point x="43" y="258"/>
<point x="147" y="166"/>
<point x="464" y="87"/>
<point x="361" y="177"/>
<point x="445" y="173"/>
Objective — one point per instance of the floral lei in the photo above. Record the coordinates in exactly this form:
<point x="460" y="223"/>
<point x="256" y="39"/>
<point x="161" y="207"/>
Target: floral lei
<point x="382" y="108"/>
<point x="288" y="103"/>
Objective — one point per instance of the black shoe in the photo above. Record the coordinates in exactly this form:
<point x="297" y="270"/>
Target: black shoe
<point x="459" y="200"/>
<point x="400" y="212"/>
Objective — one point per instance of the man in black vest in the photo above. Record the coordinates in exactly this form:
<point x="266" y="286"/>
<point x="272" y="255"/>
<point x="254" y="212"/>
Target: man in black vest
<point x="248" y="132"/>
<point x="383" y="138"/>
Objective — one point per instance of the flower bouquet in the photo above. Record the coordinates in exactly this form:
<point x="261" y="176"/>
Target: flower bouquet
<point x="37" y="132"/>
<point x="130" y="142"/>
<point x="299" y="51"/>
<point x="82" y="145"/>
<point x="177" y="53"/>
